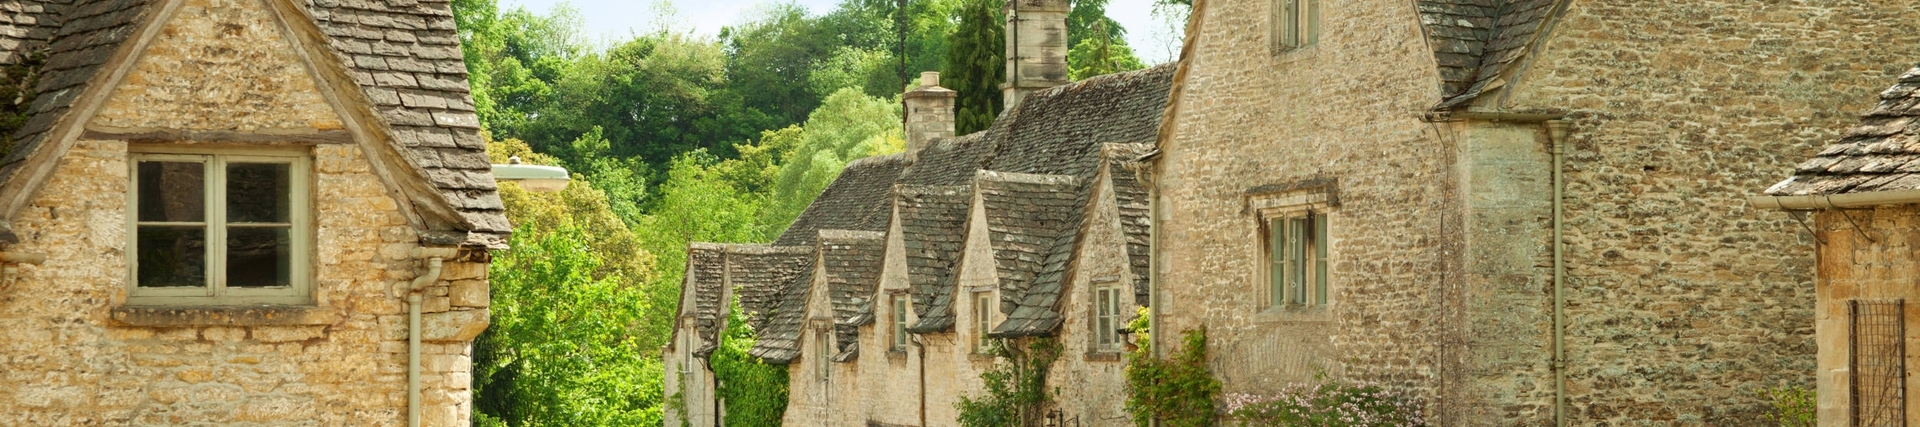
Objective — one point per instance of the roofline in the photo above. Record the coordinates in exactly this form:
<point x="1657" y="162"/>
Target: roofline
<point x="1836" y="201"/>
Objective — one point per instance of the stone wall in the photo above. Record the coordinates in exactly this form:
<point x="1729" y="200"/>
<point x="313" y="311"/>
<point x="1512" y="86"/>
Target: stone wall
<point x="1091" y="382"/>
<point x="1874" y="261"/>
<point x="1683" y="300"/>
<point x="1347" y="109"/>
<point x="344" y="362"/>
<point x="76" y="355"/>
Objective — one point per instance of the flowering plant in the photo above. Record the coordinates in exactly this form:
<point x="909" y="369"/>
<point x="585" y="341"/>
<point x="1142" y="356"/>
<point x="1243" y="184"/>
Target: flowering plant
<point x="1326" y="404"/>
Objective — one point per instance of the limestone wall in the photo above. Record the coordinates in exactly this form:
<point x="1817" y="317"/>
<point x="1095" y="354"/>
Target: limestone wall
<point x="1091" y="382"/>
<point x="343" y="362"/>
<point x="1348" y="109"/>
<point x="1683" y="300"/>
<point x="1874" y="262"/>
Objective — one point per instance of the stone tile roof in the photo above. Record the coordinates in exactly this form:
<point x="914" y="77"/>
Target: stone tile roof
<point x="851" y="263"/>
<point x="1475" y="42"/>
<point x="706" y="280"/>
<point x="933" y="231"/>
<point x="773" y="283"/>
<point x="859" y="199"/>
<point x="403" y="54"/>
<point x="1131" y="198"/>
<point x="1032" y="223"/>
<point x="1881" y="154"/>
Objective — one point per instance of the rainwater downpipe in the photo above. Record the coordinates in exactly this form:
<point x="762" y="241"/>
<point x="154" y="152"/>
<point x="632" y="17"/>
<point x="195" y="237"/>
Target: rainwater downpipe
<point x="1557" y="137"/>
<point x="435" y="258"/>
<point x="922" y="345"/>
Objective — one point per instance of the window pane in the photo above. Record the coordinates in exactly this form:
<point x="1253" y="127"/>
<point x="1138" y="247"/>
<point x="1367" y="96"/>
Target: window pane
<point x="172" y="192"/>
<point x="1312" y="33"/>
<point x="1276" y="259"/>
<point x="172" y="257"/>
<point x="258" y="257"/>
<point x="1320" y="243"/>
<point x="1296" y="258"/>
<point x="258" y="192"/>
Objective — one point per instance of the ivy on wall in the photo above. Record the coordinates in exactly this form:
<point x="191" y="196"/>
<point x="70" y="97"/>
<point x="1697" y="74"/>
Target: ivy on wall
<point x="751" y="391"/>
<point x="1016" y="387"/>
<point x="1178" y="390"/>
<point x="17" y="82"/>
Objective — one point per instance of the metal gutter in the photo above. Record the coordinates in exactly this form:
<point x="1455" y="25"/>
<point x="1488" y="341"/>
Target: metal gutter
<point x="1836" y="201"/>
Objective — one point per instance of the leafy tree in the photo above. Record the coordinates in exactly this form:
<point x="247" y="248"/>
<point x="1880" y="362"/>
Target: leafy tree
<point x="975" y="65"/>
<point x="1100" y="54"/>
<point x="849" y="126"/>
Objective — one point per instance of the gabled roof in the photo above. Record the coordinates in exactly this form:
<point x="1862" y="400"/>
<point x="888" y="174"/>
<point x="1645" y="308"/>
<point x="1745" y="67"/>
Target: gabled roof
<point x="773" y="283"/>
<point x="933" y="231"/>
<point x="1131" y="198"/>
<point x="1477" y="42"/>
<point x="1032" y="222"/>
<point x="706" y="282"/>
<point x="402" y="56"/>
<point x="856" y="200"/>
<point x="851" y="263"/>
<point x="1881" y="154"/>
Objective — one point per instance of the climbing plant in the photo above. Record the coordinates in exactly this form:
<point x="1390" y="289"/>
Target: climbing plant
<point x="1016" y="387"/>
<point x="16" y="95"/>
<point x="1178" y="390"/>
<point x="752" y="392"/>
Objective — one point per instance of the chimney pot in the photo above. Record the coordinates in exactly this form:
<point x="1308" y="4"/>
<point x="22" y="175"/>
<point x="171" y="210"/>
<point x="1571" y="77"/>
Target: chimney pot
<point x="930" y="78"/>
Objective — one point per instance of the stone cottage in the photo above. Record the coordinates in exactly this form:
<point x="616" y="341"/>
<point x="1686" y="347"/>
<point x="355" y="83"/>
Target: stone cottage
<point x="223" y="212"/>
<point x="887" y="296"/>
<point x="1861" y="195"/>
<point x="1524" y="212"/>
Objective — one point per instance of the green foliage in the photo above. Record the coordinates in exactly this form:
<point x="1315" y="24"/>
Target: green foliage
<point x="753" y="392"/>
<point x="849" y="126"/>
<point x="1792" y="406"/>
<point x="1016" y="387"/>
<point x="1178" y="391"/>
<point x="1328" y="403"/>
<point x="16" y="95"/>
<point x="1101" y="54"/>
<point x="561" y="350"/>
<point x="976" y="65"/>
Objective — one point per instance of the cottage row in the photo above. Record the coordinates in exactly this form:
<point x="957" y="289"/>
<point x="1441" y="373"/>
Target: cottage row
<point x="1522" y="212"/>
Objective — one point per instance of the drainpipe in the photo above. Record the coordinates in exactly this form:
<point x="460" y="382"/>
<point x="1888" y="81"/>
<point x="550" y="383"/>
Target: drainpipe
<point x="435" y="257"/>
<point x="917" y="343"/>
<point x="1557" y="138"/>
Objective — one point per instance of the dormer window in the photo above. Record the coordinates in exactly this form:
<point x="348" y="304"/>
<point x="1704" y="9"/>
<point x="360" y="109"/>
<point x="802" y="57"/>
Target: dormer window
<point x="219" y="226"/>
<point x="899" y="323"/>
<point x="1295" y="24"/>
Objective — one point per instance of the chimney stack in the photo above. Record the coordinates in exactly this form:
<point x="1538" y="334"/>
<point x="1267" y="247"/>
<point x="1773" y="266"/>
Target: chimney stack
<point x="929" y="113"/>
<point x="1036" y="47"/>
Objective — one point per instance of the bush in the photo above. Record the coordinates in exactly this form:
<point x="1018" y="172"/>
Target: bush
<point x="1329" y="403"/>
<point x="1177" y="391"/>
<point x="1792" y="406"/>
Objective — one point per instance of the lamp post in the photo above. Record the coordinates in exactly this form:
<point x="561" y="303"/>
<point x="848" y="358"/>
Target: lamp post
<point x="535" y="178"/>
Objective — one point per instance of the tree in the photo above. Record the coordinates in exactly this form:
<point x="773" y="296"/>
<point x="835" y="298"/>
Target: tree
<point x="975" y="65"/>
<point x="1100" y="54"/>
<point x="849" y="125"/>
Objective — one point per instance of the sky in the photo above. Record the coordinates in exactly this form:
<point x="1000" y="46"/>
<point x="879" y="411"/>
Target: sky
<point x="1152" y="40"/>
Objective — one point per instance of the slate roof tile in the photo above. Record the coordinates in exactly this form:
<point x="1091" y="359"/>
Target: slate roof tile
<point x="851" y="262"/>
<point x="1876" y="155"/>
<point x="773" y="283"/>
<point x="859" y="199"/>
<point x="1475" y="42"/>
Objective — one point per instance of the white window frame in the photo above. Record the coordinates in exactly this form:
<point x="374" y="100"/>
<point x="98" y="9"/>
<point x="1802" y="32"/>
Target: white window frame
<point x="899" y="315"/>
<point x="1295" y="24"/>
<point x="983" y="322"/>
<point x="1296" y="247"/>
<point x="215" y="159"/>
<point x="1108" y="302"/>
<point x="824" y="337"/>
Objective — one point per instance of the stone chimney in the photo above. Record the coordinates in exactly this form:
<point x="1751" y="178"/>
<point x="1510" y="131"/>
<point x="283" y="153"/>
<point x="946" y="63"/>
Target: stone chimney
<point x="929" y="113"/>
<point x="1036" y="47"/>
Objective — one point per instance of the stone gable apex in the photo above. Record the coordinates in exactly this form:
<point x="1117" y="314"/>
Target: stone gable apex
<point x="266" y="72"/>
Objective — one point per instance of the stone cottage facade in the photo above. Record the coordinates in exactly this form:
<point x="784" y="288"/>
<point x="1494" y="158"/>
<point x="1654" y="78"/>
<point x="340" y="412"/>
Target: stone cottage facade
<point x="219" y="212"/>
<point x="886" y="297"/>
<point x="1861" y="195"/>
<point x="1526" y="212"/>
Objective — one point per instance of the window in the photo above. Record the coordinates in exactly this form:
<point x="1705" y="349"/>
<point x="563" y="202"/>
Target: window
<point x="1297" y="259"/>
<point x="1876" y="332"/>
<point x="983" y="316"/>
<point x="1106" y="316"/>
<point x="1296" y="24"/>
<point x="823" y="341"/>
<point x="219" y="227"/>
<point x="899" y="323"/>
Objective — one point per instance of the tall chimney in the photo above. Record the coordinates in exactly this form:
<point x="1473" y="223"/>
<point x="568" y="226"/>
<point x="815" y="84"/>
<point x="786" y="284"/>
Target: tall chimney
<point x="1036" y="47"/>
<point x="929" y="113"/>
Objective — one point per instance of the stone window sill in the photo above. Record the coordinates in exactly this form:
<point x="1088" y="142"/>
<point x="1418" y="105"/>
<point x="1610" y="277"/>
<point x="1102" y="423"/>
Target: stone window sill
<point x="257" y="315"/>
<point x="1103" y="357"/>
<point x="1294" y="314"/>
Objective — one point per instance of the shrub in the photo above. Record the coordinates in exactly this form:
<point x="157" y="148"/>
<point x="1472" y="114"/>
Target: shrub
<point x="1178" y="391"/>
<point x="1792" y="406"/>
<point x="1329" y="403"/>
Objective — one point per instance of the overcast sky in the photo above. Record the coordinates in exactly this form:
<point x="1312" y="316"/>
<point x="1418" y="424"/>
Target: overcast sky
<point x="616" y="19"/>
